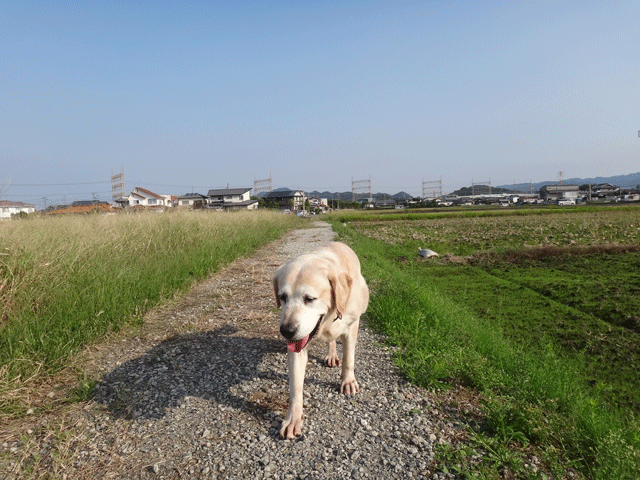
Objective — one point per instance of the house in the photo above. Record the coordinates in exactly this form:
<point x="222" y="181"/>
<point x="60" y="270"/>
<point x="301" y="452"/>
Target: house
<point x="318" y="205"/>
<point x="385" y="203"/>
<point x="553" y="193"/>
<point x="294" y="200"/>
<point x="231" y="199"/>
<point x="192" y="200"/>
<point x="143" y="197"/>
<point x="605" y="192"/>
<point x="9" y="208"/>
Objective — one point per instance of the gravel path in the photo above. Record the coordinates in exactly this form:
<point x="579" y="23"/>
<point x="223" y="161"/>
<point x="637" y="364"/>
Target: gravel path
<point x="200" y="393"/>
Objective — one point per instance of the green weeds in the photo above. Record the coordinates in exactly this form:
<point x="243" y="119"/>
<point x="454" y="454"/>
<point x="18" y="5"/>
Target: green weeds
<point x="485" y="325"/>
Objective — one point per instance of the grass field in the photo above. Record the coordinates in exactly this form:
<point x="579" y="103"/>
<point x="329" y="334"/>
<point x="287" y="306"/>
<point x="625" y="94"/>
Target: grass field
<point x="67" y="281"/>
<point x="535" y="309"/>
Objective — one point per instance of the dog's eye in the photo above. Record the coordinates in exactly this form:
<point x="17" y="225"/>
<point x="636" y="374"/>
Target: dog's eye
<point x="283" y="298"/>
<point x="308" y="299"/>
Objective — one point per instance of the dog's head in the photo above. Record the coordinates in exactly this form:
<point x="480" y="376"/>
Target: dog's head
<point x="308" y="289"/>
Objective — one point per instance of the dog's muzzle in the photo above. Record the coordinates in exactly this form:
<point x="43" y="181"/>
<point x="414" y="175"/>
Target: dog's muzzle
<point x="296" y="346"/>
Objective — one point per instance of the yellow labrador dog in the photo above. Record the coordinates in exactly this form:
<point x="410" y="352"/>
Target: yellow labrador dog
<point x="322" y="295"/>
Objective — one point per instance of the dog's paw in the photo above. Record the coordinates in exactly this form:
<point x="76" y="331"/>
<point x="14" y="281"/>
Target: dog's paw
<point x="349" y="387"/>
<point x="332" y="361"/>
<point x="291" y="427"/>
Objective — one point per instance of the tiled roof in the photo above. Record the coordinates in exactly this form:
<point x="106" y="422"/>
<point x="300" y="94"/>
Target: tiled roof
<point x="146" y="192"/>
<point x="227" y="191"/>
<point x="9" y="203"/>
<point x="104" y="207"/>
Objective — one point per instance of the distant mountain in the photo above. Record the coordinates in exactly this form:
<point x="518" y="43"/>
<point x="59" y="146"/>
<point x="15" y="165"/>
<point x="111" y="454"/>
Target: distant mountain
<point x="402" y="196"/>
<point x="344" y="196"/>
<point x="480" y="190"/>
<point x="348" y="196"/>
<point x="630" y="180"/>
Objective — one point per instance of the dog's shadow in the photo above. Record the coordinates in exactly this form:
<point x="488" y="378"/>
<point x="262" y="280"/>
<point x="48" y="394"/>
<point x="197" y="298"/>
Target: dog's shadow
<point x="211" y="365"/>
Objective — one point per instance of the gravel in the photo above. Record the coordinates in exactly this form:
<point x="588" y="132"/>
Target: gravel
<point x="202" y="390"/>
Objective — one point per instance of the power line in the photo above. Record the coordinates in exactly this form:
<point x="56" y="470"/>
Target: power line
<point x="57" y="194"/>
<point x="54" y="184"/>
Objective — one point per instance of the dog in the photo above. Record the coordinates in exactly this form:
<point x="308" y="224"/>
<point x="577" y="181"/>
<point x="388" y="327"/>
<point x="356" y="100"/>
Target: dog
<point x="322" y="294"/>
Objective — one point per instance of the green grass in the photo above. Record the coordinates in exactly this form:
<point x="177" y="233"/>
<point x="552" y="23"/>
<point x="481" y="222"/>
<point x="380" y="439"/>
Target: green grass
<point x="67" y="281"/>
<point x="493" y="325"/>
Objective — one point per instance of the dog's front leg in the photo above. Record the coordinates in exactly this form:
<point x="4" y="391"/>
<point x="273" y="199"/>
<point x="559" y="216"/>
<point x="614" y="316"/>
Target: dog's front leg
<point x="349" y="385"/>
<point x="292" y="424"/>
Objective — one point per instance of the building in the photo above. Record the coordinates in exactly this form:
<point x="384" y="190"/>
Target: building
<point x="83" y="207"/>
<point x="553" y="193"/>
<point x="231" y="199"/>
<point x="294" y="200"/>
<point x="192" y="200"/>
<point x="146" y="198"/>
<point x="318" y="205"/>
<point x="9" y="208"/>
<point x="605" y="192"/>
<point x="385" y="203"/>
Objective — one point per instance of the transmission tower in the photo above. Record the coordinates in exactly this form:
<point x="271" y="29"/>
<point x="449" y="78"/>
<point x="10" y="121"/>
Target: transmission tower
<point x="117" y="185"/>
<point x="360" y="187"/>
<point x="432" y="189"/>
<point x="265" y="185"/>
<point x="560" y="174"/>
<point x="480" y="184"/>
<point x="523" y="187"/>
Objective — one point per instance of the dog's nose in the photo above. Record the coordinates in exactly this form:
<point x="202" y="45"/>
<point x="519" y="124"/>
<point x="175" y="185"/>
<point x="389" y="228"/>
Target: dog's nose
<point x="287" y="331"/>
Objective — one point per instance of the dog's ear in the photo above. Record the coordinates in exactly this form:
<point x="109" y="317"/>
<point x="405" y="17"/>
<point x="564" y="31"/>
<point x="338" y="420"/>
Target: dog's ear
<point x="275" y="289"/>
<point x="340" y="290"/>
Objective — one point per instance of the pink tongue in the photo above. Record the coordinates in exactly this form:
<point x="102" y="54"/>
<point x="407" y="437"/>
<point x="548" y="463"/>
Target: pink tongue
<point x="296" y="346"/>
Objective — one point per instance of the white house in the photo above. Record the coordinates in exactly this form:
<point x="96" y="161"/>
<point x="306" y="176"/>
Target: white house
<point x="318" y="205"/>
<point x="146" y="198"/>
<point x="8" y="208"/>
<point x="231" y="199"/>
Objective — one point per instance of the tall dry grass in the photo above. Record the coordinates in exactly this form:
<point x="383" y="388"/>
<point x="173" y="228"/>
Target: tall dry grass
<point x="66" y="281"/>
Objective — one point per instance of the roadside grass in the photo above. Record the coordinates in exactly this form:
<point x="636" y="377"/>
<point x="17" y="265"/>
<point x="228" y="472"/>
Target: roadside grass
<point x="537" y="399"/>
<point x="65" y="282"/>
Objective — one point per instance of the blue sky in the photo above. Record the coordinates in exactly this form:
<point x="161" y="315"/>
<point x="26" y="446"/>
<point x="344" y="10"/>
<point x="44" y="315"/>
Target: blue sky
<point x="190" y="96"/>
